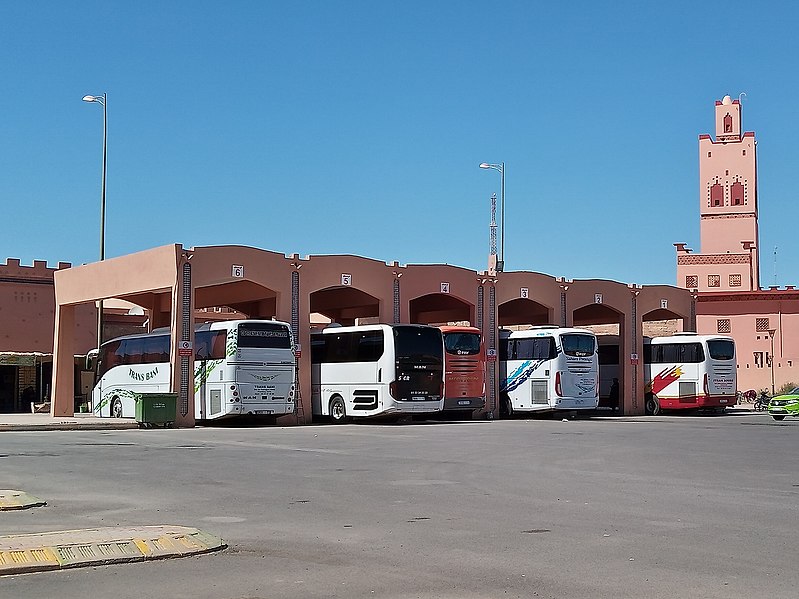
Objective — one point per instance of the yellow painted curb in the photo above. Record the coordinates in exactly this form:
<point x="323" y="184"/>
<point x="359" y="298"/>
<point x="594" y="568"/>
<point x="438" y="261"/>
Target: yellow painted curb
<point x="18" y="500"/>
<point x="97" y="546"/>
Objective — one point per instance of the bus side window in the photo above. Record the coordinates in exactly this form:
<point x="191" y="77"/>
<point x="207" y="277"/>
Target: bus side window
<point x="218" y="345"/>
<point x="156" y="349"/>
<point x="505" y="349"/>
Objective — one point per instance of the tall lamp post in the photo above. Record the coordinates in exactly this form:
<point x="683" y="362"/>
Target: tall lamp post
<point x="102" y="101"/>
<point x="501" y="168"/>
<point x="771" y="333"/>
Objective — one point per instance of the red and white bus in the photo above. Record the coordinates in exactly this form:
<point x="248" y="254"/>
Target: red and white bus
<point x="688" y="370"/>
<point x="464" y="368"/>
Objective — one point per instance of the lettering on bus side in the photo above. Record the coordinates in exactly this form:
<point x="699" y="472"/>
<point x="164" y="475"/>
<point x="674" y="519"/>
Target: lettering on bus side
<point x="143" y="376"/>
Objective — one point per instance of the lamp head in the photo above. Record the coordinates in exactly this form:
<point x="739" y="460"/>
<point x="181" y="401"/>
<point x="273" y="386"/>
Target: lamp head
<point x="90" y="98"/>
<point x="482" y="164"/>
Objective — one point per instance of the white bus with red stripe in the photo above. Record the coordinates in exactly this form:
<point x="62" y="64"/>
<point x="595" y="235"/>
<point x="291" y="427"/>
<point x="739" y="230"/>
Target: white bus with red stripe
<point x="687" y="370"/>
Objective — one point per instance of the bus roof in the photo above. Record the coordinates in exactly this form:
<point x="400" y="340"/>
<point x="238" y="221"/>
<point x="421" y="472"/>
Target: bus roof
<point x="543" y="332"/>
<point x="457" y="328"/>
<point x="203" y="326"/>
<point x="367" y="327"/>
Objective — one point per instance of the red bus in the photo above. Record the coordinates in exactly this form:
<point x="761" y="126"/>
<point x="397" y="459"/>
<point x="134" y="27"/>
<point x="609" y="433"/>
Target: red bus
<point x="464" y="368"/>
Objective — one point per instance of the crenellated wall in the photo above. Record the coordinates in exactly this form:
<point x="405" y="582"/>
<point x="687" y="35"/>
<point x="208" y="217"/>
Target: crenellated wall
<point x="27" y="309"/>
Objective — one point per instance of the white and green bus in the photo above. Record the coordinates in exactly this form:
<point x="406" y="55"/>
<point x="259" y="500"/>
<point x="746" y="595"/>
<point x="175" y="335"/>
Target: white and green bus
<point x="241" y="367"/>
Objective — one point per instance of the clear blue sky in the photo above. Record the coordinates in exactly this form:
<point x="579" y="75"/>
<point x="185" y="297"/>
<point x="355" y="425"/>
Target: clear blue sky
<point x="357" y="127"/>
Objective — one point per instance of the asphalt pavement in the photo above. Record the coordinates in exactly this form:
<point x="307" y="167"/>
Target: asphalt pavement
<point x="690" y="506"/>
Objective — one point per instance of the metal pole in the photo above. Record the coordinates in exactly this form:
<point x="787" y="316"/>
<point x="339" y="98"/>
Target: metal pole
<point x="100" y="321"/>
<point x="502" y="217"/>
<point x="771" y="335"/>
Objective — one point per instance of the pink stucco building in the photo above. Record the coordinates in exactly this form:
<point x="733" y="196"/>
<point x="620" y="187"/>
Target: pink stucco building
<point x="27" y="314"/>
<point x="725" y="274"/>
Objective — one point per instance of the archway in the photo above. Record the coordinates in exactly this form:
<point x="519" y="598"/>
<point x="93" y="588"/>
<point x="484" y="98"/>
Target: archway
<point x="440" y="308"/>
<point x="522" y="311"/>
<point x="344" y="305"/>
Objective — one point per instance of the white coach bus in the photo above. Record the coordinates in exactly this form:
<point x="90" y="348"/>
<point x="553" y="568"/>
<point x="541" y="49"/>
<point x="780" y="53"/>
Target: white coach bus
<point x="687" y="371"/>
<point x="240" y="367"/>
<point x="372" y="370"/>
<point x="548" y="368"/>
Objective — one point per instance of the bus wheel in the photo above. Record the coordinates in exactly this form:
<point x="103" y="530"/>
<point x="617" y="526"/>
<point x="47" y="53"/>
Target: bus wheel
<point x="780" y="417"/>
<point x="338" y="412"/>
<point x="505" y="407"/>
<point x="652" y="405"/>
<point x="116" y="408"/>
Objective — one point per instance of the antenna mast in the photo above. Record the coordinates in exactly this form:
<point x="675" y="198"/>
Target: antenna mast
<point x="493" y="227"/>
<point x="775" y="264"/>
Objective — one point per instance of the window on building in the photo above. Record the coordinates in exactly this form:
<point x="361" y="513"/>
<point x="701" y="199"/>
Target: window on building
<point x="692" y="281"/>
<point x="744" y="154"/>
<point x="716" y="195"/>
<point x="723" y="325"/>
<point x="728" y="124"/>
<point x="735" y="280"/>
<point x="714" y="280"/>
<point x="761" y="324"/>
<point x="708" y="154"/>
<point x="758" y="355"/>
<point x="737" y="194"/>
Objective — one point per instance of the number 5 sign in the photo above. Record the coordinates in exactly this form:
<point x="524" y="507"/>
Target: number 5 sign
<point x="346" y="280"/>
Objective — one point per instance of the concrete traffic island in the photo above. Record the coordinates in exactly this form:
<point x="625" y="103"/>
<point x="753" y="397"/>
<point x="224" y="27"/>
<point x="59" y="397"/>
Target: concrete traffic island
<point x="18" y="500"/>
<point x="98" y="546"/>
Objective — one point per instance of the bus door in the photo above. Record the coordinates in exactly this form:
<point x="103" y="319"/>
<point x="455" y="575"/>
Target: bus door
<point x="209" y="360"/>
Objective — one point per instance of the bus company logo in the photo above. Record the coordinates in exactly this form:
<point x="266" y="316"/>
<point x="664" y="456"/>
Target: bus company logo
<point x="265" y="378"/>
<point x="420" y="366"/>
<point x="143" y="376"/>
<point x="665" y="378"/>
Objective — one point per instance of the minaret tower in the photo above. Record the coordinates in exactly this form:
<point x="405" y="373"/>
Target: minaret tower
<point x="728" y="257"/>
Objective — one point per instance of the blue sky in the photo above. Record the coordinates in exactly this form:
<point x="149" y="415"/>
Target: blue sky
<point x="357" y="127"/>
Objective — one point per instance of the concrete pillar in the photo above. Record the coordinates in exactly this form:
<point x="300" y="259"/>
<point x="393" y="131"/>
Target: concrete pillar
<point x="182" y="329"/>
<point x="63" y="393"/>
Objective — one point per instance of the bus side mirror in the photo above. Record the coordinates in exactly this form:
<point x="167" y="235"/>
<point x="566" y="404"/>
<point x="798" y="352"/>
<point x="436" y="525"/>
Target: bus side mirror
<point x="91" y="360"/>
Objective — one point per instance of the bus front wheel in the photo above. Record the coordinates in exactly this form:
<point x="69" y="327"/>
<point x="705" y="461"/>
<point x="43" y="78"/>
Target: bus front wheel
<point x="505" y="407"/>
<point x="338" y="411"/>
<point x="780" y="417"/>
<point x="652" y="405"/>
<point x="116" y="408"/>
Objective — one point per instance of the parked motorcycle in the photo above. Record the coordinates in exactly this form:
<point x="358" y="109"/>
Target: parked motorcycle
<point x="761" y="401"/>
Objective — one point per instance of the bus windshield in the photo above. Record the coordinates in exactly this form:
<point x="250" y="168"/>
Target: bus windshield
<point x="462" y="344"/>
<point x="721" y="349"/>
<point x="577" y="345"/>
<point x="264" y="335"/>
<point x="418" y="344"/>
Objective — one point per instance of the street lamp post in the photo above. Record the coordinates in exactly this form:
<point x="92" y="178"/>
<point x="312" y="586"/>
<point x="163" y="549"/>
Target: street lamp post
<point x="771" y="333"/>
<point x="102" y="101"/>
<point x="501" y="168"/>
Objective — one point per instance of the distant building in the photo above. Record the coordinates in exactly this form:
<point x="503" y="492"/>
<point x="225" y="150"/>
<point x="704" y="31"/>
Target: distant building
<point x="27" y="317"/>
<point x="725" y="274"/>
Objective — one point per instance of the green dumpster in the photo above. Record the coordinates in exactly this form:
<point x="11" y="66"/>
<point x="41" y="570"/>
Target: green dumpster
<point x="155" y="408"/>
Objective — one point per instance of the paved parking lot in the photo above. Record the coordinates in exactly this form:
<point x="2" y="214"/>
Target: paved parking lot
<point x="617" y="507"/>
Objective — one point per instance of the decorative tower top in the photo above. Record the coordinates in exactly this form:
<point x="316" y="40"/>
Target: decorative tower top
<point x="728" y="119"/>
